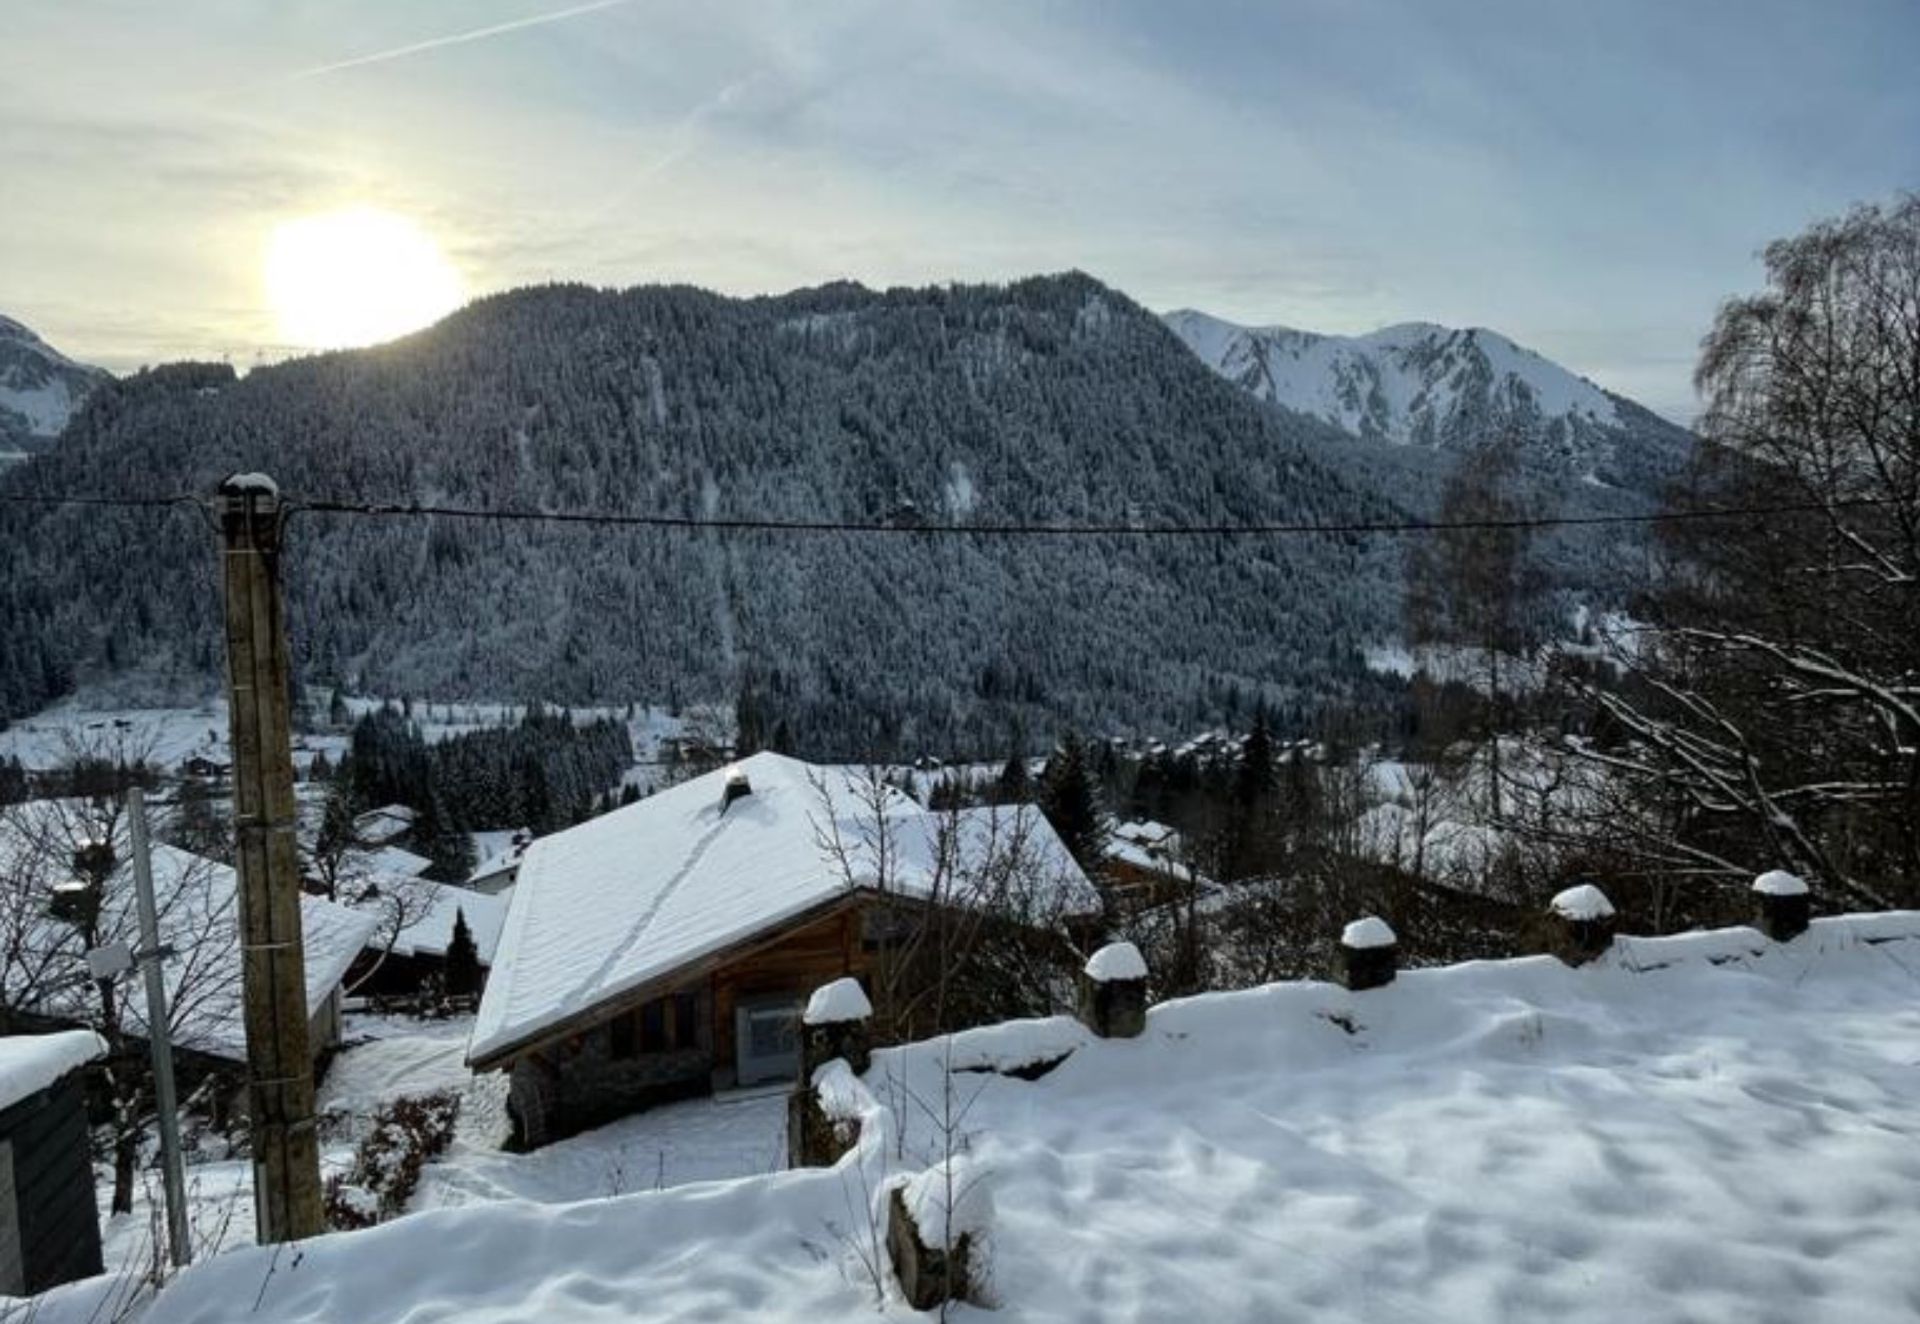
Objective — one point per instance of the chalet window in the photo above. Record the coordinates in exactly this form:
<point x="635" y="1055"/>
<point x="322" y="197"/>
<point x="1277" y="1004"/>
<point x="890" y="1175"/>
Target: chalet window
<point x="653" y="1027"/>
<point x="662" y="1026"/>
<point x="884" y="926"/>
<point x="686" y="1021"/>
<point x="624" y="1038"/>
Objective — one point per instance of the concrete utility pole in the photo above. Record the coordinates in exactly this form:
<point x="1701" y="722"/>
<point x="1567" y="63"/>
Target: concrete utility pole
<point x="286" y="1153"/>
<point x="159" y="1038"/>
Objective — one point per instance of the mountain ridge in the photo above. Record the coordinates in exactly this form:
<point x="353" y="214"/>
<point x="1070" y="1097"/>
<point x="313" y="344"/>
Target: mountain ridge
<point x="40" y="388"/>
<point x="1423" y="384"/>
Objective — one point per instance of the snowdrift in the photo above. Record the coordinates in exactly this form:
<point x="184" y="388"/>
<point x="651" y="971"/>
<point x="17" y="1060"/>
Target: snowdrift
<point x="1702" y="1127"/>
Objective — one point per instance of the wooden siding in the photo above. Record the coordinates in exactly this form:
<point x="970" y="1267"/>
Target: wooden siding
<point x="53" y="1212"/>
<point x="797" y="963"/>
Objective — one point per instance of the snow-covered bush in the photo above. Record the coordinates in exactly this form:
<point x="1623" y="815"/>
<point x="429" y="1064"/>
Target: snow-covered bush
<point x="386" y="1167"/>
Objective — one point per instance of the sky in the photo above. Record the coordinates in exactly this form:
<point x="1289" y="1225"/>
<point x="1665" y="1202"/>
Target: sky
<point x="1590" y="179"/>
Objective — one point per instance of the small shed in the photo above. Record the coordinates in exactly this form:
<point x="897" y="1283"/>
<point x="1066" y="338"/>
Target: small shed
<point x="49" y="1224"/>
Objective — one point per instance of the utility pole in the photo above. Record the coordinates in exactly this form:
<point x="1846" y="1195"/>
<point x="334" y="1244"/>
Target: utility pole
<point x="286" y="1154"/>
<point x="159" y="1033"/>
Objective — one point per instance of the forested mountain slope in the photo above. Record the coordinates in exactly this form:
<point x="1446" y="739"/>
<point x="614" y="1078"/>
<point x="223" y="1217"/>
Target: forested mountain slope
<point x="1052" y="399"/>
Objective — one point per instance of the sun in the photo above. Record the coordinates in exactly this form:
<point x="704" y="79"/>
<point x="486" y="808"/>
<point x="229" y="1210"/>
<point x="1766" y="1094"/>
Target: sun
<point x="356" y="277"/>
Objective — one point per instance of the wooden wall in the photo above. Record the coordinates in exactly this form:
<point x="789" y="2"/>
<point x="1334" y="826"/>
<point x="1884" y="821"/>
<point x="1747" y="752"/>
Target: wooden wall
<point x="798" y="963"/>
<point x="51" y="1231"/>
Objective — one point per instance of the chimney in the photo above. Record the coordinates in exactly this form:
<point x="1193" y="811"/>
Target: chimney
<point x="736" y="788"/>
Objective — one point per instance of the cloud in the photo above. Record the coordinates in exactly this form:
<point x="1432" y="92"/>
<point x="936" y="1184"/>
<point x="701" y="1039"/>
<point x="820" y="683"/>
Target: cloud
<point x="1338" y="164"/>
<point x="456" y="39"/>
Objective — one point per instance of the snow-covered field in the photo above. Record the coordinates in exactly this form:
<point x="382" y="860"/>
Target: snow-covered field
<point x="167" y="736"/>
<point x="1704" y="1127"/>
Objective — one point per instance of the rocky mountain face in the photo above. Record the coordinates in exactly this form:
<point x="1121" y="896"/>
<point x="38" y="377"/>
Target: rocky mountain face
<point x="1440" y="388"/>
<point x="1049" y="400"/>
<point x="40" y="388"/>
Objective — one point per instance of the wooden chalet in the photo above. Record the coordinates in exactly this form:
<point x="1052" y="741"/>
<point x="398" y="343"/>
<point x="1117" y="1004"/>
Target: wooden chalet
<point x="666" y="949"/>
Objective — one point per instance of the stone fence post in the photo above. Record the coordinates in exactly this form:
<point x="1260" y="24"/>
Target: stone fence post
<point x="1782" y="905"/>
<point x="1583" y="923"/>
<point x="835" y="1024"/>
<point x="1113" y="992"/>
<point x="833" y="1027"/>
<point x="1369" y="954"/>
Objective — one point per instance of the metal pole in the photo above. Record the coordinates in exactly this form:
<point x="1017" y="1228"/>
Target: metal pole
<point x="286" y="1153"/>
<point x="159" y="1033"/>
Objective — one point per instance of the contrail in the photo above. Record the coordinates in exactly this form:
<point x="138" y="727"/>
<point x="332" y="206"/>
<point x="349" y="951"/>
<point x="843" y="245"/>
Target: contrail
<point x="456" y="39"/>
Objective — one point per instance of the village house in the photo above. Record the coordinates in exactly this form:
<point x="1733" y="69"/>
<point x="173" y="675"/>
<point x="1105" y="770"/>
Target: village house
<point x="1142" y="864"/>
<point x="497" y="872"/>
<point x="45" y="987"/>
<point x="49" y="1223"/>
<point x="413" y="961"/>
<point x="389" y="825"/>
<point x="666" y="949"/>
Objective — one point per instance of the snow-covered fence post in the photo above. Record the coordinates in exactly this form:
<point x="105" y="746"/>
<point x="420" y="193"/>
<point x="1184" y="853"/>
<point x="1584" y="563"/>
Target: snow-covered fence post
<point x="935" y="1228"/>
<point x="1782" y="905"/>
<point x="1583" y="921"/>
<point x="1369" y="954"/>
<point x="835" y="1024"/>
<point x="834" y="1028"/>
<point x="1113" y="992"/>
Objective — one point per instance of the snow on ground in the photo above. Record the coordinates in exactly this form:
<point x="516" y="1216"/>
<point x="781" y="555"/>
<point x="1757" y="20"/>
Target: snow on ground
<point x="1705" y="1127"/>
<point x="738" y="1135"/>
<point x="167" y="736"/>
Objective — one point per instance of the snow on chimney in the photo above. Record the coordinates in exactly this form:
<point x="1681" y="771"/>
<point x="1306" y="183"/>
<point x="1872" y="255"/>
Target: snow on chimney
<point x="736" y="787"/>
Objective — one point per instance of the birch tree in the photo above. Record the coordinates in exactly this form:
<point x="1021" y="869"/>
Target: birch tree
<point x="1774" y="708"/>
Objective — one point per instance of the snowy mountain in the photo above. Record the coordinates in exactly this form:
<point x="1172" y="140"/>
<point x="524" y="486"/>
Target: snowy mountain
<point x="1418" y="384"/>
<point x="40" y="388"/>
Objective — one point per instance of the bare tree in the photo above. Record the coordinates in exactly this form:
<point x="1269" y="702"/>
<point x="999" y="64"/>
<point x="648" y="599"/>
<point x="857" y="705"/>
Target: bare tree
<point x="969" y="914"/>
<point x="1773" y="716"/>
<point x="401" y="903"/>
<point x="1473" y="584"/>
<point x="66" y="888"/>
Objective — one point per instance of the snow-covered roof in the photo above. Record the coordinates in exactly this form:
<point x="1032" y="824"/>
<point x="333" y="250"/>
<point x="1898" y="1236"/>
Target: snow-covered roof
<point x="31" y="1062"/>
<point x="1146" y="860"/>
<point x="432" y="933"/>
<point x="1144" y="831"/>
<point x="198" y="905"/>
<point x="630" y="897"/>
<point x="385" y="861"/>
<point x="388" y="823"/>
<point x="503" y="860"/>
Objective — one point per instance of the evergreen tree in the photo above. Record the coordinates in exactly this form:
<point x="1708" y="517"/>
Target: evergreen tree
<point x="1067" y="799"/>
<point x="463" y="959"/>
<point x="1015" y="784"/>
<point x="1253" y="779"/>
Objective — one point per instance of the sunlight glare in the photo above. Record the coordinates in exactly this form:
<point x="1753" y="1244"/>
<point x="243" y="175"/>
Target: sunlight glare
<point x="356" y="277"/>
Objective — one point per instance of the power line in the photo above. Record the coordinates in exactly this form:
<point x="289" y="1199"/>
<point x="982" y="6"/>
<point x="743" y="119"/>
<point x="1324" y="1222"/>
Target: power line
<point x="913" y="528"/>
<point x="77" y="499"/>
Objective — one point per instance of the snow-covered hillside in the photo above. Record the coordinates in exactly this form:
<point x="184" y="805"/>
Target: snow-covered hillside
<point x="1419" y="384"/>
<point x="40" y="388"/>
<point x="1402" y="383"/>
<point x="1707" y="1126"/>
